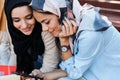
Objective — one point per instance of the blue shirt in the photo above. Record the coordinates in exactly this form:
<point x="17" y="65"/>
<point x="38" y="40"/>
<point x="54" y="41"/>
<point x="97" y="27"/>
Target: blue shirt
<point x="96" y="56"/>
<point x="96" y="51"/>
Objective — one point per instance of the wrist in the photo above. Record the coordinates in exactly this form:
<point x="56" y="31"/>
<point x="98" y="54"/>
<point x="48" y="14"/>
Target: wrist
<point x="64" y="41"/>
<point x="64" y="48"/>
<point x="43" y="75"/>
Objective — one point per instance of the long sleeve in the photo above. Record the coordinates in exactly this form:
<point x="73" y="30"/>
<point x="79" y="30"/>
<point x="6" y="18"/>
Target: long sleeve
<point x="87" y="47"/>
<point x="12" y="60"/>
<point x="7" y="57"/>
<point x="51" y="57"/>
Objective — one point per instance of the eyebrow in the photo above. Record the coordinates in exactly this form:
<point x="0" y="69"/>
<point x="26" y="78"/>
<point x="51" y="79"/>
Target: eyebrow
<point x="29" y="15"/>
<point x="18" y="17"/>
<point x="43" y="20"/>
<point x="14" y="17"/>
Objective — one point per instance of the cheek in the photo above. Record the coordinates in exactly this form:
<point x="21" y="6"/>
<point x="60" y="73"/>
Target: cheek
<point x="28" y="22"/>
<point x="16" y="25"/>
<point x="32" y="21"/>
<point x="56" y="26"/>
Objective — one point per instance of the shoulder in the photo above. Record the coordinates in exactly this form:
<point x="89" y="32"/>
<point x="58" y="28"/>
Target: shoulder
<point x="90" y="37"/>
<point x="46" y="34"/>
<point x="90" y="34"/>
<point x="48" y="38"/>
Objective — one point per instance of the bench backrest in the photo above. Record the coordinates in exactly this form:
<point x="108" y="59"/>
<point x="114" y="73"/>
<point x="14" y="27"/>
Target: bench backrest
<point x="109" y="9"/>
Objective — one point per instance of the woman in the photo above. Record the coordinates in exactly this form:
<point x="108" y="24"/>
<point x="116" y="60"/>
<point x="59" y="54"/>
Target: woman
<point x="27" y="38"/>
<point x="7" y="55"/>
<point x="96" y="50"/>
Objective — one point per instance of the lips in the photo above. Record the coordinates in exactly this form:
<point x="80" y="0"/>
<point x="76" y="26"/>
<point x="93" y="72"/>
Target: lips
<point x="26" y="29"/>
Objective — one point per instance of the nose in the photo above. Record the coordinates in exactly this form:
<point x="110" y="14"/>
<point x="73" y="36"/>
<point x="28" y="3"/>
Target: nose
<point x="24" y="24"/>
<point x="44" y="28"/>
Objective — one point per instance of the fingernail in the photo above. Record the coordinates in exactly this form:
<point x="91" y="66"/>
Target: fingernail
<point x="72" y="19"/>
<point x="65" y="17"/>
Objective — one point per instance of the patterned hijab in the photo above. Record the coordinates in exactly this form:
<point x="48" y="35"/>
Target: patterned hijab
<point x="87" y="16"/>
<point x="26" y="47"/>
<point x="57" y="7"/>
<point x="93" y="21"/>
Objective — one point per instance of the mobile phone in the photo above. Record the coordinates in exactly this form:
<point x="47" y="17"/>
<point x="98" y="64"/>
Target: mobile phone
<point x="27" y="75"/>
<point x="67" y="12"/>
<point x="31" y="76"/>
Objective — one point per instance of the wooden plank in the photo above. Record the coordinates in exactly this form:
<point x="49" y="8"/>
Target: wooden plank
<point x="101" y="4"/>
<point x="111" y="10"/>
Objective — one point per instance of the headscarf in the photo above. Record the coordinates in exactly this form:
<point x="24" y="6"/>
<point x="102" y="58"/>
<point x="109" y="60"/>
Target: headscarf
<point x="87" y="16"/>
<point x="26" y="47"/>
<point x="57" y="7"/>
<point x="93" y="21"/>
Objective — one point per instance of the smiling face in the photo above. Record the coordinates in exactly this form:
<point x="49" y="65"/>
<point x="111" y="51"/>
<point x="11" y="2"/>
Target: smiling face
<point x="23" y="19"/>
<point x="49" y="22"/>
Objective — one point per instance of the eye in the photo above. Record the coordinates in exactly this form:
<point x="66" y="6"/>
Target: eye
<point x="16" y="20"/>
<point x="29" y="17"/>
<point x="46" y="21"/>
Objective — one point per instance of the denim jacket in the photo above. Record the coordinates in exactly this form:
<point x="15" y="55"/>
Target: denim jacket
<point x="96" y="50"/>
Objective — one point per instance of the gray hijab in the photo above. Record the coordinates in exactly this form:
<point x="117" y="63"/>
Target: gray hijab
<point x="57" y="7"/>
<point x="87" y="16"/>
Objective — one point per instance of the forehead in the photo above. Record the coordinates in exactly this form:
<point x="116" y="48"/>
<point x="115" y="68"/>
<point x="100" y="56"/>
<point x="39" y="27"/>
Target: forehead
<point x="41" y="15"/>
<point x="22" y="10"/>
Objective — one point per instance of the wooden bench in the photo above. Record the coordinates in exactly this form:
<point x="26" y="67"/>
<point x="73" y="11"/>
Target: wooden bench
<point x="109" y="9"/>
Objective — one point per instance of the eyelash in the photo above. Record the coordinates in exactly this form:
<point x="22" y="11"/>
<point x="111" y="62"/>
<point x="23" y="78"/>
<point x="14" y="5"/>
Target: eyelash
<point x="16" y="20"/>
<point x="28" y="17"/>
<point x="47" y="22"/>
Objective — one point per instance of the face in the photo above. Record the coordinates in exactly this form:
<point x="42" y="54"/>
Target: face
<point x="49" y="22"/>
<point x="23" y="19"/>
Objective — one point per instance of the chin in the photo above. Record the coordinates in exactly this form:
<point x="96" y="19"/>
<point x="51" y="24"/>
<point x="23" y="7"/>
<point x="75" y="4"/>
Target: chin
<point x="27" y="33"/>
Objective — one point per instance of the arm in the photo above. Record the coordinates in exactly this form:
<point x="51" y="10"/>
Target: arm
<point x="1" y="8"/>
<point x="86" y="48"/>
<point x="51" y="57"/>
<point x="12" y="60"/>
<point x="6" y="55"/>
<point x="54" y="75"/>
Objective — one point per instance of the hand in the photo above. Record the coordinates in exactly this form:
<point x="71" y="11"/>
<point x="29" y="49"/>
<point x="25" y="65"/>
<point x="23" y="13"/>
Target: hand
<point x="25" y="78"/>
<point x="69" y="27"/>
<point x="54" y="75"/>
<point x="37" y="72"/>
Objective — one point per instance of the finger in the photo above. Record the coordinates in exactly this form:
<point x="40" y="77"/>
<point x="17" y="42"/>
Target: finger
<point x="67" y="24"/>
<point x="75" y="26"/>
<point x="63" y="32"/>
<point x="71" y="29"/>
<point x="63" y="29"/>
<point x="35" y="72"/>
<point x="32" y="73"/>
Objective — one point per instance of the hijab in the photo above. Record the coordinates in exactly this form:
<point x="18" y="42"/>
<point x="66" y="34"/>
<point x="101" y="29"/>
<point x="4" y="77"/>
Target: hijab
<point x="26" y="47"/>
<point x="87" y="16"/>
<point x="57" y="7"/>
